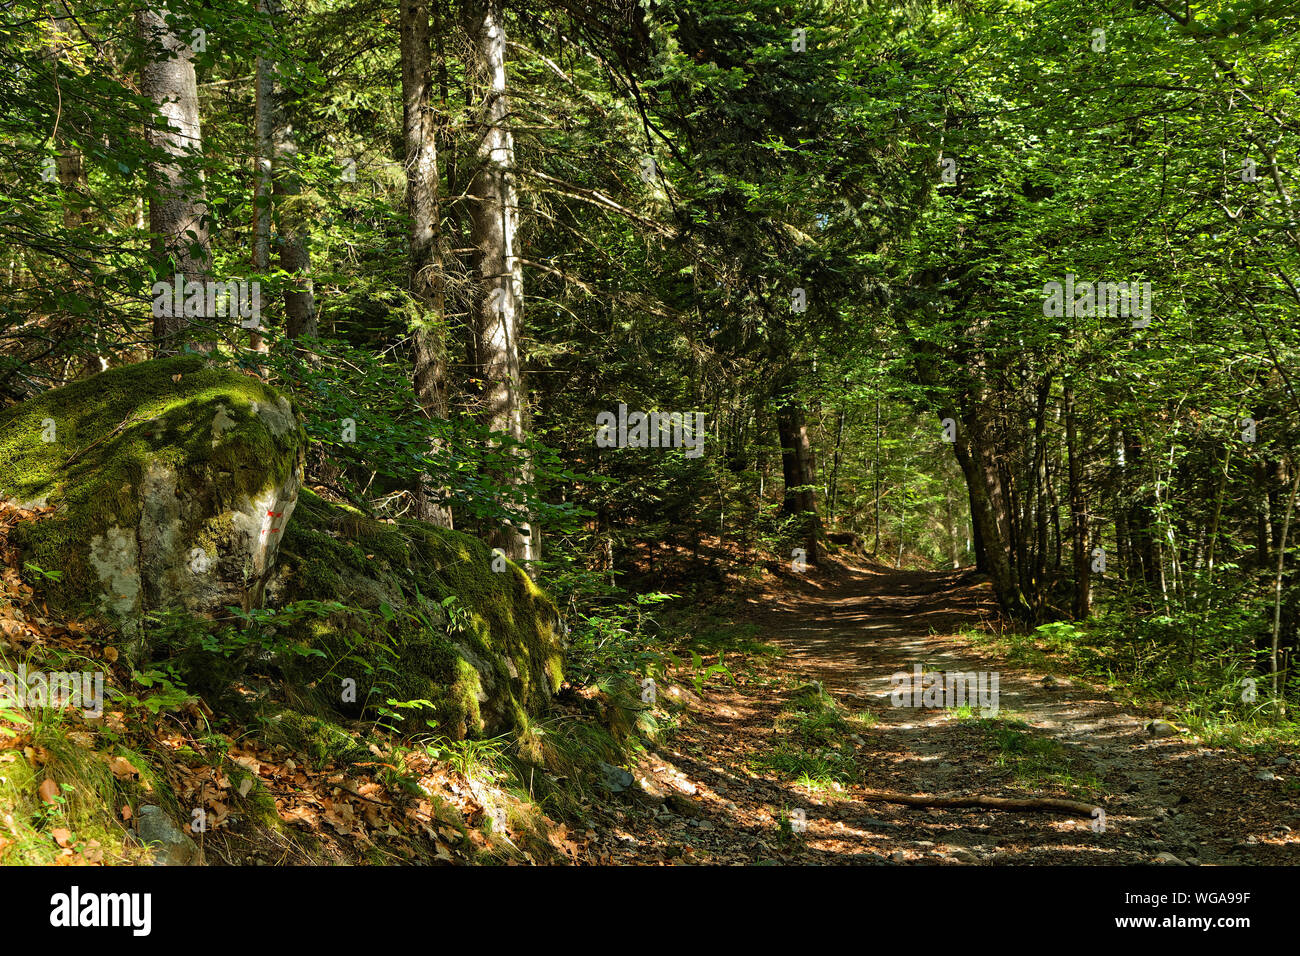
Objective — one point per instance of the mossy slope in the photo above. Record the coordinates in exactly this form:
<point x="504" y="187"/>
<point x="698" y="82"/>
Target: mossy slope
<point x="484" y="661"/>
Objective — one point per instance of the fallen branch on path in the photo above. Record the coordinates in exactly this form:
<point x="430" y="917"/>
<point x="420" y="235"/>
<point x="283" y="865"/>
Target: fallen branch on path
<point x="1074" y="807"/>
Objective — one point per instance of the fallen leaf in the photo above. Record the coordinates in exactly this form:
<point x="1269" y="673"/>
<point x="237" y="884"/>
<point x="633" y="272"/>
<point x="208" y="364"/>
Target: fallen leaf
<point x="248" y="763"/>
<point x="122" y="768"/>
<point x="48" y="791"/>
<point x="62" y="836"/>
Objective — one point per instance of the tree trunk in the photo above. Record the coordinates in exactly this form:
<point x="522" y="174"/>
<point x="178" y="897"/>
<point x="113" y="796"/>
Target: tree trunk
<point x="498" y="303"/>
<point x="976" y="536"/>
<point x="1079" y="555"/>
<point x="265" y="106"/>
<point x="177" y="199"/>
<point x="424" y="242"/>
<point x="1264" y="521"/>
<point x="74" y="183"/>
<point x="277" y="175"/>
<point x="799" y="471"/>
<point x="989" y="512"/>
<point x="875" y="469"/>
<point x="1278" y="580"/>
<point x="1140" y="519"/>
<point x="950" y="525"/>
<point x="1042" y="524"/>
<point x="833" y="494"/>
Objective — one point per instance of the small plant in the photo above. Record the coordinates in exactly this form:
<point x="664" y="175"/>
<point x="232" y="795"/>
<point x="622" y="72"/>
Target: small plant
<point x="702" y="673"/>
<point x="469" y="757"/>
<point x="54" y="576"/>
<point x="168" y="692"/>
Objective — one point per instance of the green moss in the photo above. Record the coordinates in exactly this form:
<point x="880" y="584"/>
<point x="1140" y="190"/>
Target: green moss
<point x="233" y="434"/>
<point x="483" y="662"/>
<point x="321" y="741"/>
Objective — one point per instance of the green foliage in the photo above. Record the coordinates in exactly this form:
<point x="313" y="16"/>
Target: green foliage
<point x="616" y="637"/>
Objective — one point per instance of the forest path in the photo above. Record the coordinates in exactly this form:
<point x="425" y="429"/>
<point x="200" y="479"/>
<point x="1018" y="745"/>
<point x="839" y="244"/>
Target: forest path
<point x="850" y="628"/>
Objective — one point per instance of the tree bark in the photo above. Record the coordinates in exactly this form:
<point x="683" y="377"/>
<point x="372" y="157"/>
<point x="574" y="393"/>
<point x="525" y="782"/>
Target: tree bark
<point x="1140" y="518"/>
<point x="875" y="470"/>
<point x="498" y="302"/>
<point x="989" y="511"/>
<point x="177" y="200"/>
<point x="424" y="241"/>
<point x="74" y="183"/>
<point x="833" y="492"/>
<point x="265" y="105"/>
<point x="278" y="184"/>
<point x="1277" y="587"/>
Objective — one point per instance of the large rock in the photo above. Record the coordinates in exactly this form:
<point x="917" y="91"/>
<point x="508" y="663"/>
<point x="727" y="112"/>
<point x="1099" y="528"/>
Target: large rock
<point x="176" y="484"/>
<point x="172" y="482"/>
<point x="428" y="619"/>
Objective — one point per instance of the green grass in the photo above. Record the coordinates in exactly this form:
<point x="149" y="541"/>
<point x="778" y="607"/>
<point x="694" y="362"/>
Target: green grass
<point x="472" y="758"/>
<point x="813" y="749"/>
<point x="1260" y="739"/>
<point x="1033" y="758"/>
<point x="825" y="768"/>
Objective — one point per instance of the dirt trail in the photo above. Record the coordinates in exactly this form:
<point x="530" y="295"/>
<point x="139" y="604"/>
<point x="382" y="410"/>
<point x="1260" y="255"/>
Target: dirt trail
<point x="850" y="629"/>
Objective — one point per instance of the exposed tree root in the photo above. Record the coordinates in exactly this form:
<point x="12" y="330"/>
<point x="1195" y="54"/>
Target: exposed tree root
<point x="1074" y="807"/>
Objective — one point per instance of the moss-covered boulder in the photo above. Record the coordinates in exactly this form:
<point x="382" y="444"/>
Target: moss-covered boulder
<point x="176" y="484"/>
<point x="428" y="619"/>
<point x="171" y="482"/>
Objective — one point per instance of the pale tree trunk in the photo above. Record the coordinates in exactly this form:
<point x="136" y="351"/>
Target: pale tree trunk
<point x="177" y="201"/>
<point x="875" y="472"/>
<point x="952" y="529"/>
<point x="425" y="242"/>
<point x="277" y="178"/>
<point x="498" y="301"/>
<point x="73" y="181"/>
<point x="833" y="492"/>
